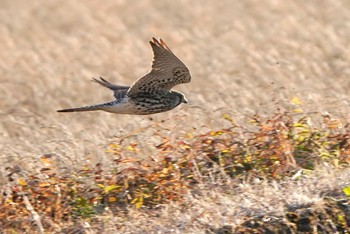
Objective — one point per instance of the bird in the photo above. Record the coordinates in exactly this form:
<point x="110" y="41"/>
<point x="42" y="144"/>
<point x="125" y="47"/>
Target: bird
<point x="151" y="93"/>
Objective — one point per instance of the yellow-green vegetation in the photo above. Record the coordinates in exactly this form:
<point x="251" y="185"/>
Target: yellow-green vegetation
<point x="261" y="147"/>
<point x="275" y="147"/>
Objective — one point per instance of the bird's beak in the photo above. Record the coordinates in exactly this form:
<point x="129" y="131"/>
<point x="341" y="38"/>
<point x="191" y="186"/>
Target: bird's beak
<point x="184" y="100"/>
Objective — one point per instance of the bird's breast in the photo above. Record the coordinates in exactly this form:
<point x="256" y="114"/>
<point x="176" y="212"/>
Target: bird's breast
<point x="150" y="104"/>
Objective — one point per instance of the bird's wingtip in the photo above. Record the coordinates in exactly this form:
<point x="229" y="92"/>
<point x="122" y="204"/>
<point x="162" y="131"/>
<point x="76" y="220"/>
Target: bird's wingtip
<point x="159" y="42"/>
<point x="153" y="41"/>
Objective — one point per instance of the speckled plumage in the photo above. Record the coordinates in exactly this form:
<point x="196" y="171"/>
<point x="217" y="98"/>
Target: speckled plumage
<point x="151" y="93"/>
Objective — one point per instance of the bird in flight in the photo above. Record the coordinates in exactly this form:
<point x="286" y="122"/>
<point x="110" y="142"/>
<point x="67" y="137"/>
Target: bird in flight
<point x="151" y="93"/>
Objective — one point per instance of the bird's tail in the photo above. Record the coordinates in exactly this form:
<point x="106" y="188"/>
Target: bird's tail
<point x="87" y="108"/>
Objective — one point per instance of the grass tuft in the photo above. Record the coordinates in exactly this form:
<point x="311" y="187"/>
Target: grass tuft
<point x="269" y="148"/>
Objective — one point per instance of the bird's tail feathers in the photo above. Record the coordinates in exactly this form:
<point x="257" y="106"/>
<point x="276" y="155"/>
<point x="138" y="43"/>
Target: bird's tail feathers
<point x="87" y="108"/>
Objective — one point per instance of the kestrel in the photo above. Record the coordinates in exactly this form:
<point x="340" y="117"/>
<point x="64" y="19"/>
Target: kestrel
<point x="151" y="93"/>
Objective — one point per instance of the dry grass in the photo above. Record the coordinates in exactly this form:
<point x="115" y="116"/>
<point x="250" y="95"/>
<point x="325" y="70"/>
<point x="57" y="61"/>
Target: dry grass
<point x="245" y="57"/>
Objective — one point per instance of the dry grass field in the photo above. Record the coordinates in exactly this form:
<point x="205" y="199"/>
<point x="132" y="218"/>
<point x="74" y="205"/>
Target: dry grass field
<point x="246" y="57"/>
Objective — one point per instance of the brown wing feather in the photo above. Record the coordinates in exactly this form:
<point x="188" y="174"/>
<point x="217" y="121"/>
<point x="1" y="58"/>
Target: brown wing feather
<point x="167" y="71"/>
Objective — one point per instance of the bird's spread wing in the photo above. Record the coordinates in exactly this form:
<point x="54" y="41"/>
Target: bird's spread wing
<point x="119" y="90"/>
<point x="167" y="71"/>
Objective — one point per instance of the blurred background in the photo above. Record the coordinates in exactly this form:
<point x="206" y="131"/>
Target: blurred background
<point x="245" y="57"/>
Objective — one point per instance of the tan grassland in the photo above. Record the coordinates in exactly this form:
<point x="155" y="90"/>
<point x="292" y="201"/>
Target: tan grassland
<point x="245" y="57"/>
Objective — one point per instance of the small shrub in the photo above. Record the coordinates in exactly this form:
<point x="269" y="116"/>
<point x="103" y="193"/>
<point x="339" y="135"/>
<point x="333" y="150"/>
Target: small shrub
<point x="272" y="148"/>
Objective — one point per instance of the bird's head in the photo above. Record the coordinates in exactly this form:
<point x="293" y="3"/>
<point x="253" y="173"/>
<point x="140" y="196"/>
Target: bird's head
<point x="184" y="100"/>
<point x="180" y="98"/>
